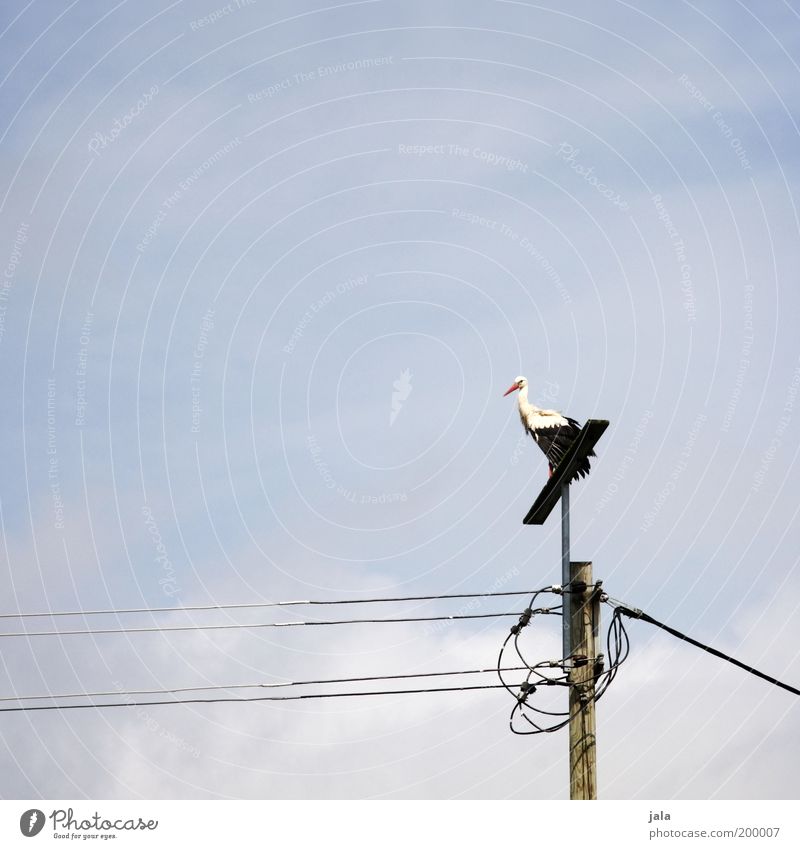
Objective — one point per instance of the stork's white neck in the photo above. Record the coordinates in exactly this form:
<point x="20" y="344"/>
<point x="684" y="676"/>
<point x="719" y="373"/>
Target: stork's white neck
<point x="523" y="402"/>
<point x="525" y="407"/>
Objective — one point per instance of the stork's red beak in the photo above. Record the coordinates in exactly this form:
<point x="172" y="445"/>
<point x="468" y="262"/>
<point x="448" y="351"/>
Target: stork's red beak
<point x="510" y="389"/>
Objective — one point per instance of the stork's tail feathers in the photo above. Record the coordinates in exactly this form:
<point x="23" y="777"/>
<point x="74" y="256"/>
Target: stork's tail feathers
<point x="556" y="441"/>
<point x="583" y="468"/>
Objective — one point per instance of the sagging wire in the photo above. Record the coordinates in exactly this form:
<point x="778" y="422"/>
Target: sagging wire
<point x="605" y="666"/>
<point x="540" y="675"/>
<point x="635" y="613"/>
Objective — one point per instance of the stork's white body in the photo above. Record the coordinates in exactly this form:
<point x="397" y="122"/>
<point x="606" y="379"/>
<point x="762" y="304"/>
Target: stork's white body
<point x="553" y="432"/>
<point x="534" y="418"/>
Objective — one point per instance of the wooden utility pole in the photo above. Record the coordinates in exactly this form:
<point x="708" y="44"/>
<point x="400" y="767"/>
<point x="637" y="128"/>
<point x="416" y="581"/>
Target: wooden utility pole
<point x="584" y="615"/>
<point x="581" y="616"/>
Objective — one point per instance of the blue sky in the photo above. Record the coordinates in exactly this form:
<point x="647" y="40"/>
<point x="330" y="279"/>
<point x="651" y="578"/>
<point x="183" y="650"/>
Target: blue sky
<point x="228" y="231"/>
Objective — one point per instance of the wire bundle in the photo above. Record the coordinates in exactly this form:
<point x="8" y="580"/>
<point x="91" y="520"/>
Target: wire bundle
<point x="188" y="694"/>
<point x="527" y="717"/>
<point x="555" y="673"/>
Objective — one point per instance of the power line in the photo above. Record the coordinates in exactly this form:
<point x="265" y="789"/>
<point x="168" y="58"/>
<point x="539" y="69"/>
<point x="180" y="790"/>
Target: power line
<point x="256" y="698"/>
<point x="617" y="649"/>
<point x="635" y="613"/>
<point x="253" y="625"/>
<point x="116" y="612"/>
<point x="251" y="686"/>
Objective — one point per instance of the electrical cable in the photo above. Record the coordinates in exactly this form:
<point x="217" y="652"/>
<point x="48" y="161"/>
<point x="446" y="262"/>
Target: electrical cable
<point x="252" y="625"/>
<point x="635" y="613"/>
<point x="117" y="612"/>
<point x="617" y="650"/>
<point x="252" y="686"/>
<point x="254" y="698"/>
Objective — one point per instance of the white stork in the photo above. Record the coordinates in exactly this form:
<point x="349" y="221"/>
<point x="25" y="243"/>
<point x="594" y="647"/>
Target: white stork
<point x="553" y="432"/>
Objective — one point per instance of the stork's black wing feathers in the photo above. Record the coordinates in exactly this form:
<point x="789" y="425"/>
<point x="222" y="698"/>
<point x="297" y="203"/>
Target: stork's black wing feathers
<point x="555" y="442"/>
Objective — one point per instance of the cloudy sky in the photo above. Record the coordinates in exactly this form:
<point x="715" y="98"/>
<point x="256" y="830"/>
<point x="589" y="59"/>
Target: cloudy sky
<point x="268" y="268"/>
